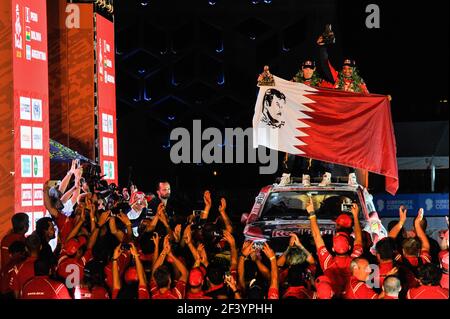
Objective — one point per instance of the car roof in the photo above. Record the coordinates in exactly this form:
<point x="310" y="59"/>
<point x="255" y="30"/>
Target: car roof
<point x="314" y="187"/>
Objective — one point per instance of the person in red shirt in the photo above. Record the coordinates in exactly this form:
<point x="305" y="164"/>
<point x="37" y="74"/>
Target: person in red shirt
<point x="323" y="288"/>
<point x="391" y="288"/>
<point x="136" y="282"/>
<point x="336" y="268"/>
<point x="415" y="251"/>
<point x="41" y="286"/>
<point x="196" y="280"/>
<point x="17" y="252"/>
<point x="92" y="286"/>
<point x="385" y="256"/>
<point x="348" y="79"/>
<point x="356" y="287"/>
<point x="25" y="271"/>
<point x="20" y="225"/>
<point x="297" y="288"/>
<point x="429" y="277"/>
<point x="160" y="285"/>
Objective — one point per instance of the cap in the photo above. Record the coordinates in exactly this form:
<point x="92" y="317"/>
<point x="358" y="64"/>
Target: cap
<point x="443" y="259"/>
<point x="349" y="62"/>
<point x="131" y="275"/>
<point x="196" y="276"/>
<point x="72" y="246"/>
<point x="323" y="288"/>
<point x="341" y="244"/>
<point x="308" y="64"/>
<point x="344" y="220"/>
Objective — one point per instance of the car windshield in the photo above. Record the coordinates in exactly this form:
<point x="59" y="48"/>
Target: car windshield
<point x="292" y="204"/>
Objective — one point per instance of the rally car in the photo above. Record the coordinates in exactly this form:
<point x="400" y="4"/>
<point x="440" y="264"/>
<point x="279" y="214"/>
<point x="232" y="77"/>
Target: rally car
<point x="280" y="210"/>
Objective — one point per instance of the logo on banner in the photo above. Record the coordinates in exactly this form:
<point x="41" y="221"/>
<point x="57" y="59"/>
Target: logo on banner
<point x="38" y="166"/>
<point x="18" y="29"/>
<point x="25" y="137"/>
<point x="105" y="146"/>
<point x="110" y="124"/>
<point x="27" y="15"/>
<point x="27" y="195"/>
<point x="111" y="147"/>
<point x="37" y="110"/>
<point x="27" y="33"/>
<point x="26" y="166"/>
<point x="38" y="194"/>
<point x="37" y="138"/>
<point x="28" y="52"/>
<point x="25" y="108"/>
<point x="105" y="122"/>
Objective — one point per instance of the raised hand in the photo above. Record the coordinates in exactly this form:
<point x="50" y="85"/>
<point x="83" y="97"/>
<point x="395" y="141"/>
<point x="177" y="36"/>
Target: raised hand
<point x="355" y="210"/>
<point x="402" y="212"/>
<point x="228" y="237"/>
<point x="177" y="233"/>
<point x="247" y="248"/>
<point x="207" y="199"/>
<point x="104" y="218"/>
<point x="310" y="206"/>
<point x="268" y="251"/>
<point x="223" y="205"/>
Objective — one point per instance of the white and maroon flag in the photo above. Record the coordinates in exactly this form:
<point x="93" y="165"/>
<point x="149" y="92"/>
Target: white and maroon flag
<point x="329" y="125"/>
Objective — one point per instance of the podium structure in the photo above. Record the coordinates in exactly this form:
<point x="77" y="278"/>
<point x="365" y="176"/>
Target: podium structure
<point x="57" y="80"/>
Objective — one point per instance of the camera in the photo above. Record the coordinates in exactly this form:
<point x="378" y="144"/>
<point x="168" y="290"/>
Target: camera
<point x="258" y="245"/>
<point x="125" y="246"/>
<point x="346" y="208"/>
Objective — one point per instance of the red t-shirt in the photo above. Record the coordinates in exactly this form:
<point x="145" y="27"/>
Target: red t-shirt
<point x="6" y="242"/>
<point x="95" y="293"/>
<point x="176" y="293"/>
<point x="65" y="261"/>
<point x="390" y="297"/>
<point x="358" y="290"/>
<point x="42" y="287"/>
<point x="298" y="292"/>
<point x="22" y="273"/>
<point x="273" y="293"/>
<point x="197" y="295"/>
<point x="337" y="268"/>
<point x="427" y="292"/>
<point x="385" y="267"/>
<point x="65" y="225"/>
<point x="122" y="263"/>
<point x="7" y="273"/>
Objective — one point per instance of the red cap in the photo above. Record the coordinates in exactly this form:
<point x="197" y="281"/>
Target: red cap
<point x="443" y="259"/>
<point x="341" y="244"/>
<point x="72" y="246"/>
<point x="344" y="220"/>
<point x="323" y="288"/>
<point x="196" y="277"/>
<point x="131" y="275"/>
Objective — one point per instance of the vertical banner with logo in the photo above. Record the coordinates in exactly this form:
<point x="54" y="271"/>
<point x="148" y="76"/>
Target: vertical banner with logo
<point x="31" y="131"/>
<point x="106" y="92"/>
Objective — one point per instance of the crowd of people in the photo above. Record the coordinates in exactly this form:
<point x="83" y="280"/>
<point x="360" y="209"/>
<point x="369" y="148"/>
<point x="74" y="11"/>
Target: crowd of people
<point x="140" y="247"/>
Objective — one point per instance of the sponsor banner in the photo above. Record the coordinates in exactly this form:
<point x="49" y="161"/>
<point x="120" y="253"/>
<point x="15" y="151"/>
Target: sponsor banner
<point x="433" y="204"/>
<point x="30" y="87"/>
<point x="106" y="90"/>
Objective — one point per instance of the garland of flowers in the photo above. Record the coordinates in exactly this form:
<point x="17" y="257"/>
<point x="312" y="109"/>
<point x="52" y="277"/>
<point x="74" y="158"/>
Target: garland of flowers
<point x="356" y="81"/>
<point x="315" y="79"/>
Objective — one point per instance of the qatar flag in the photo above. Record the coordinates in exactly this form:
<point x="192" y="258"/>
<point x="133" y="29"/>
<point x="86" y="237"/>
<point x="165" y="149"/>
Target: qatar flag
<point x="345" y="128"/>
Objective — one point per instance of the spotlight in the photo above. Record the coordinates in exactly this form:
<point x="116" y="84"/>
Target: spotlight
<point x="144" y="3"/>
<point x="212" y="2"/>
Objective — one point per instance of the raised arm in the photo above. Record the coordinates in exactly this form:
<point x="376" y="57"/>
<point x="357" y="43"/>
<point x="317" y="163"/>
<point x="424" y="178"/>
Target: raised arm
<point x="139" y="267"/>
<point x="315" y="230"/>
<point x="357" y="226"/>
<point x="398" y="227"/>
<point x="420" y="232"/>
<point x="165" y="251"/>
<point x="48" y="203"/>
<point x="224" y="216"/>
<point x="247" y="249"/>
<point x="115" y="268"/>
<point x="65" y="181"/>
<point x="273" y="266"/>
<point x="233" y="251"/>
<point x="207" y="200"/>
<point x="76" y="228"/>
<point x="155" y="240"/>
<point x="329" y="73"/>
<point x="309" y="256"/>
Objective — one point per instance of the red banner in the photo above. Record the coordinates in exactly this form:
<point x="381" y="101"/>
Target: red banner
<point x="31" y="131"/>
<point x="106" y="92"/>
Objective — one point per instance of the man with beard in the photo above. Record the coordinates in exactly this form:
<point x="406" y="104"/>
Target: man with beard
<point x="163" y="192"/>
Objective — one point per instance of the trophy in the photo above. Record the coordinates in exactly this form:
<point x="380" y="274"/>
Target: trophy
<point x="328" y="35"/>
